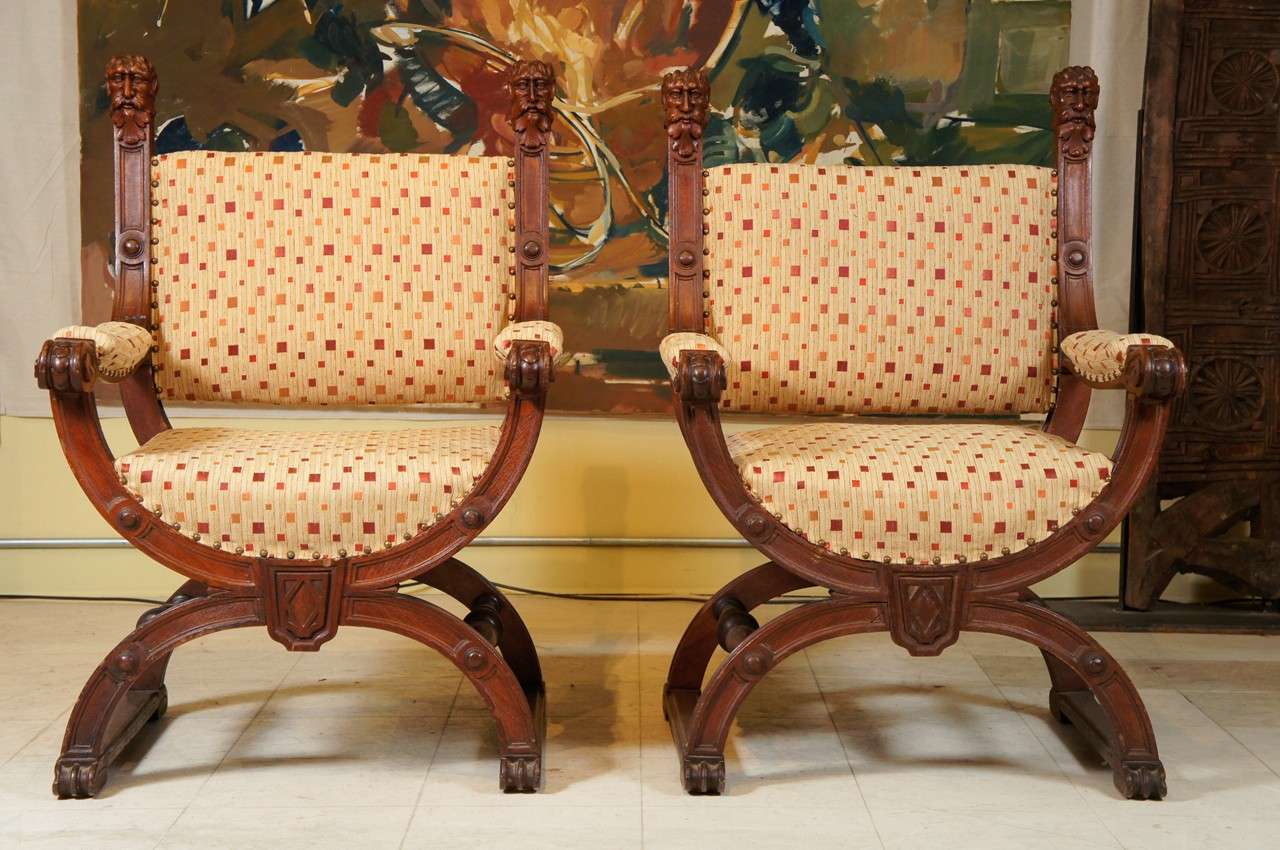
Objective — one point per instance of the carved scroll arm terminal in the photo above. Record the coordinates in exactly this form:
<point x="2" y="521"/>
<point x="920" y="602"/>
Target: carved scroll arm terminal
<point x="530" y="368"/>
<point x="67" y="365"/>
<point x="119" y="347"/>
<point x="699" y="378"/>
<point x="1148" y="367"/>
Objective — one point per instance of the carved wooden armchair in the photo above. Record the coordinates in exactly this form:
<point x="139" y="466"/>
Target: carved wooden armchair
<point x="801" y="289"/>
<point x="313" y="279"/>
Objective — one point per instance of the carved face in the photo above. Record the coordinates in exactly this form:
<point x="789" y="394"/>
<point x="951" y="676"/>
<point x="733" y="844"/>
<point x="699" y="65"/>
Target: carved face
<point x="531" y="94"/>
<point x="1076" y="95"/>
<point x="684" y="94"/>
<point x="131" y="83"/>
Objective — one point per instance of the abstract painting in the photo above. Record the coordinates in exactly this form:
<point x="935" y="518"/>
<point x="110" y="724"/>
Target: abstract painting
<point x="876" y="82"/>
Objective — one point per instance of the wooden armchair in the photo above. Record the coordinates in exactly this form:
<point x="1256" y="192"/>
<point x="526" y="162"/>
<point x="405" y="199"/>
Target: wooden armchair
<point x="313" y="279"/>
<point x="801" y="289"/>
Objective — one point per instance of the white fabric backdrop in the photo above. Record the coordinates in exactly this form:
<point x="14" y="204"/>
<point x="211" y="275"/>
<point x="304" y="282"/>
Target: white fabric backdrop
<point x="40" y="184"/>
<point x="40" y="177"/>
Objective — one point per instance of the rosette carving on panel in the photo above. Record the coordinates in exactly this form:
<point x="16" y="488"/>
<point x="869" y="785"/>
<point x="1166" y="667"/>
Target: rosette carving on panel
<point x="531" y="84"/>
<point x="131" y="87"/>
<point x="1074" y="96"/>
<point x="686" y="96"/>
<point x="1244" y="82"/>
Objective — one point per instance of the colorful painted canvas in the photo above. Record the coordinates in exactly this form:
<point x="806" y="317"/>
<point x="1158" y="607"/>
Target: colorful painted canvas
<point x="828" y="81"/>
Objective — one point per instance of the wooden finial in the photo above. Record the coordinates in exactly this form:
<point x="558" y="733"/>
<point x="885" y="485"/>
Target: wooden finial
<point x="685" y="99"/>
<point x="1074" y="96"/>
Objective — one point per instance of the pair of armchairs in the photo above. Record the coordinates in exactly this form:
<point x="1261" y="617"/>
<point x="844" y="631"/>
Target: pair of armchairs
<point x="324" y="279"/>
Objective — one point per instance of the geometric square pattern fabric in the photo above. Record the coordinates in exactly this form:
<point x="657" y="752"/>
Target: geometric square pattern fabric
<point x="310" y="493"/>
<point x="1099" y="354"/>
<point x="322" y="279"/>
<point x="918" y="493"/>
<point x="840" y="289"/>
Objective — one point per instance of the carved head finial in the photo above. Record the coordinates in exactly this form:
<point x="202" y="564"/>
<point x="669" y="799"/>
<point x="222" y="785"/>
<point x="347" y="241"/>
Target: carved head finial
<point x="531" y="84"/>
<point x="1074" y="96"/>
<point x="686" y="96"/>
<point x="132" y="86"/>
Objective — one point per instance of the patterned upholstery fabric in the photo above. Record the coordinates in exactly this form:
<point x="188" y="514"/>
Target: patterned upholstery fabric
<point x="120" y="346"/>
<point x="1099" y="355"/>
<point x="330" y="279"/>
<point x="889" y="290"/>
<point x="316" y="494"/>
<point x="673" y="344"/>
<point x="954" y="492"/>
<point x="530" y="331"/>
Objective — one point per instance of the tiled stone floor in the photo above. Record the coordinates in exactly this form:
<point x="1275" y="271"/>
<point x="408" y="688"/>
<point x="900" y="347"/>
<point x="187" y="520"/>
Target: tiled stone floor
<point x="375" y="742"/>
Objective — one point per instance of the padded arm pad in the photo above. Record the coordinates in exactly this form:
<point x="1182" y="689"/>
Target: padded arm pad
<point x="1099" y="355"/>
<point x="120" y="346"/>
<point x="673" y="344"/>
<point x="536" y="331"/>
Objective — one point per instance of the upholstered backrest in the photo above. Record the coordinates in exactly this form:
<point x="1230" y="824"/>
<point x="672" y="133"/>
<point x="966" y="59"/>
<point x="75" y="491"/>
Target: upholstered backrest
<point x="883" y="290"/>
<point x="329" y="279"/>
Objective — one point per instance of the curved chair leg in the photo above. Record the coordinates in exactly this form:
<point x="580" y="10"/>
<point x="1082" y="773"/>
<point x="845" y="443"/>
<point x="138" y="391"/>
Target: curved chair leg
<point x="153" y="678"/>
<point x="489" y="608"/>
<point x="700" y="724"/>
<point x="520" y="715"/>
<point x="751" y="589"/>
<point x="127" y="689"/>
<point x="1090" y="690"/>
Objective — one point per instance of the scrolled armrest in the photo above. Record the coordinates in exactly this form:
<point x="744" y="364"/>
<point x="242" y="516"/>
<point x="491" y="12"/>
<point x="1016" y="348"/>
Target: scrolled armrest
<point x="1145" y="365"/>
<point x="67" y="365"/>
<point x="673" y="344"/>
<point x="535" y="331"/>
<point x="118" y="346"/>
<point x="530" y="367"/>
<point x="1154" y="373"/>
<point x="699" y="377"/>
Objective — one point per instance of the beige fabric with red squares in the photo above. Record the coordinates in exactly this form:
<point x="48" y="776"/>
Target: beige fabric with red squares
<point x="1099" y="355"/>
<point x="315" y="494"/>
<point x="883" y="290"/>
<point x="915" y="493"/>
<point x="330" y="279"/>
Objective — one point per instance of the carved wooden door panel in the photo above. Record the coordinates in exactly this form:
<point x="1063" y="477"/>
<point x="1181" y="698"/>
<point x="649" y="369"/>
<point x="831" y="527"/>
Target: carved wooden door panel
<point x="1210" y="259"/>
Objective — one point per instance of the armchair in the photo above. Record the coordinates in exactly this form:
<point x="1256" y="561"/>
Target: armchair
<point x="801" y="289"/>
<point x="313" y="279"/>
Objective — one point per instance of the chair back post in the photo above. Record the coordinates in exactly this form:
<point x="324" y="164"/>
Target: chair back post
<point x="1074" y="99"/>
<point x="685" y="99"/>
<point x="131" y="87"/>
<point x="531" y="84"/>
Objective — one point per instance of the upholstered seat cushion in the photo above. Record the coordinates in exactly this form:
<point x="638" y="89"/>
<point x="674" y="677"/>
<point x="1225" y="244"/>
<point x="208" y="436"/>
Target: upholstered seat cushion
<point x="312" y="493"/>
<point x="953" y="492"/>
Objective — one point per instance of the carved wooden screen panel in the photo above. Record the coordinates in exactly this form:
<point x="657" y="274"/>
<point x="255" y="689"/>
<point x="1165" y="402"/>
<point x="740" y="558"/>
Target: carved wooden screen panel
<point x="1211" y="282"/>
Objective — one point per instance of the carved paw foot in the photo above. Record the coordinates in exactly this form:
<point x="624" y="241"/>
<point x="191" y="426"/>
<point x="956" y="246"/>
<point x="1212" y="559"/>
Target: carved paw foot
<point x="703" y="774"/>
<point x="78" y="778"/>
<point x="1141" y="780"/>
<point x="520" y="774"/>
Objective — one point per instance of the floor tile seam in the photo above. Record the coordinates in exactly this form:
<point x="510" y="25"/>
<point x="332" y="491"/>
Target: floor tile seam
<point x="866" y="805"/>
